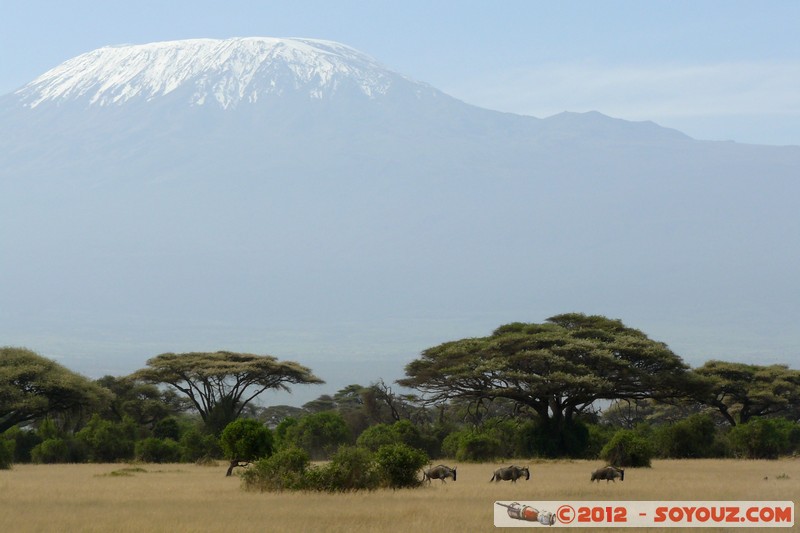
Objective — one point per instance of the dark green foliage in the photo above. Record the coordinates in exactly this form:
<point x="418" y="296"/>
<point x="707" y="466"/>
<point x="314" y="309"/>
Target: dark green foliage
<point x="167" y="428"/>
<point x="409" y="434"/>
<point x="284" y="470"/>
<point x="542" y="439"/>
<point x="694" y="437"/>
<point x="155" y="450"/>
<point x="494" y="440"/>
<point x="376" y="436"/>
<point x="224" y="412"/>
<point x="627" y="448"/>
<point x="59" y="450"/>
<point x="741" y="391"/>
<point x="598" y="437"/>
<point x="282" y="429"/>
<point x="473" y="446"/>
<point x="32" y="387"/>
<point x="451" y="442"/>
<point x="402" y="431"/>
<point x="197" y="446"/>
<point x="507" y="433"/>
<point x="6" y="453"/>
<point x="47" y="429"/>
<point x="434" y="436"/>
<point x="145" y="403"/>
<point x="399" y="465"/>
<point x="246" y="440"/>
<point x="350" y="469"/>
<point x="764" y="438"/>
<point x="108" y="441"/>
<point x="50" y="451"/>
<point x="24" y="441"/>
<point x="319" y="434"/>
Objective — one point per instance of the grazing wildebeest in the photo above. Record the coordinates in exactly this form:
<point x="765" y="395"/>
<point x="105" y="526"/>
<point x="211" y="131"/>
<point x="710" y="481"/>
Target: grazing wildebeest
<point x="512" y="473"/>
<point x="609" y="473"/>
<point x="439" y="472"/>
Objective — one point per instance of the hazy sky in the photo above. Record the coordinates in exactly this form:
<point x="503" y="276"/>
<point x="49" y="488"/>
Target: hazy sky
<point x="715" y="70"/>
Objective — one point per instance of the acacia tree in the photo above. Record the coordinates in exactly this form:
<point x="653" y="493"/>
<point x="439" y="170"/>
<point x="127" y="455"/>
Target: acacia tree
<point x="221" y="384"/>
<point x="556" y="369"/>
<point x="145" y="403"/>
<point x="32" y="387"/>
<point x="741" y="391"/>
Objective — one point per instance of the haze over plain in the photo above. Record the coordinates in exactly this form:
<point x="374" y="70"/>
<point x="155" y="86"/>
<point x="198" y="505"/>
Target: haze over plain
<point x="356" y="269"/>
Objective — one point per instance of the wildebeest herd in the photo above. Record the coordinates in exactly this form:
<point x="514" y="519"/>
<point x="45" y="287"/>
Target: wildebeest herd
<point x="513" y="473"/>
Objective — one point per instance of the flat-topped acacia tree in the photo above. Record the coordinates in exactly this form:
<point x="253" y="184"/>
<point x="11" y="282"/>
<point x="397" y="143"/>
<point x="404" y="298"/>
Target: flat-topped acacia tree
<point x="33" y="387"/>
<point x="557" y="369"/>
<point x="742" y="391"/>
<point x="221" y="384"/>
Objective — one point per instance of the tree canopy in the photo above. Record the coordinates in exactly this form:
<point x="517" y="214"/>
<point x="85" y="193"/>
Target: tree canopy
<point x="221" y="384"/>
<point x="741" y="391"/>
<point x="556" y="369"/>
<point x="32" y="386"/>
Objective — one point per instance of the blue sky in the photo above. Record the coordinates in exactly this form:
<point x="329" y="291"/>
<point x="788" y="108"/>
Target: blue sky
<point x="719" y="70"/>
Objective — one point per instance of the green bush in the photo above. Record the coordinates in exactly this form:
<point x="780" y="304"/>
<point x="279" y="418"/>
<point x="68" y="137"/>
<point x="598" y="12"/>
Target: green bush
<point x="451" y="442"/>
<point x="155" y="450"/>
<point x="50" y="451"/>
<point x="627" y="448"/>
<point x="376" y="436"/>
<point x="549" y="439"/>
<point x="168" y="428"/>
<point x="507" y="433"/>
<point x="319" y="434"/>
<point x="402" y="431"/>
<point x="286" y="469"/>
<point x="280" y="431"/>
<point x="599" y="435"/>
<point x="477" y="447"/>
<point x="108" y="441"/>
<point x="764" y="438"/>
<point x="399" y="464"/>
<point x="409" y="434"/>
<point x="47" y="429"/>
<point x="197" y="446"/>
<point x="691" y="438"/>
<point x="23" y="441"/>
<point x="472" y="445"/>
<point x="350" y="469"/>
<point x="246" y="439"/>
<point x="6" y="453"/>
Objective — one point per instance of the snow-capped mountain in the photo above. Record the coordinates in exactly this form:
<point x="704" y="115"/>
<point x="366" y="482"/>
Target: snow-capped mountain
<point x="213" y="72"/>
<point x="295" y="197"/>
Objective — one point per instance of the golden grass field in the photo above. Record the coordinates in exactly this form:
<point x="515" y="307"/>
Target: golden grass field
<point x="181" y="497"/>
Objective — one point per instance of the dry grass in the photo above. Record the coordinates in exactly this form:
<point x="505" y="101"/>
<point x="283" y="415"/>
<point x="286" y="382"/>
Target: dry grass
<point x="178" y="498"/>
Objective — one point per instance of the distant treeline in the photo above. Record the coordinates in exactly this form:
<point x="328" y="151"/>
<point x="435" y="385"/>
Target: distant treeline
<point x="575" y="386"/>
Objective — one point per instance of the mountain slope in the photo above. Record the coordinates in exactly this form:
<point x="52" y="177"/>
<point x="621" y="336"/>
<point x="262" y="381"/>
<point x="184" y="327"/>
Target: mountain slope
<point x="295" y="197"/>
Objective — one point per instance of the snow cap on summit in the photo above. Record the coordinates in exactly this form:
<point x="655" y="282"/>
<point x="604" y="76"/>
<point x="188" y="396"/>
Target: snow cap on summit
<point x="227" y="72"/>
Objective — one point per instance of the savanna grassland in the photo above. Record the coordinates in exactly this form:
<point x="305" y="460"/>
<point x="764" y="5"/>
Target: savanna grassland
<point x="182" y="497"/>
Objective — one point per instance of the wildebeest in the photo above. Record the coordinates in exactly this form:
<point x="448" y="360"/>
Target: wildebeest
<point x="512" y="473"/>
<point x="609" y="473"/>
<point x="441" y="472"/>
